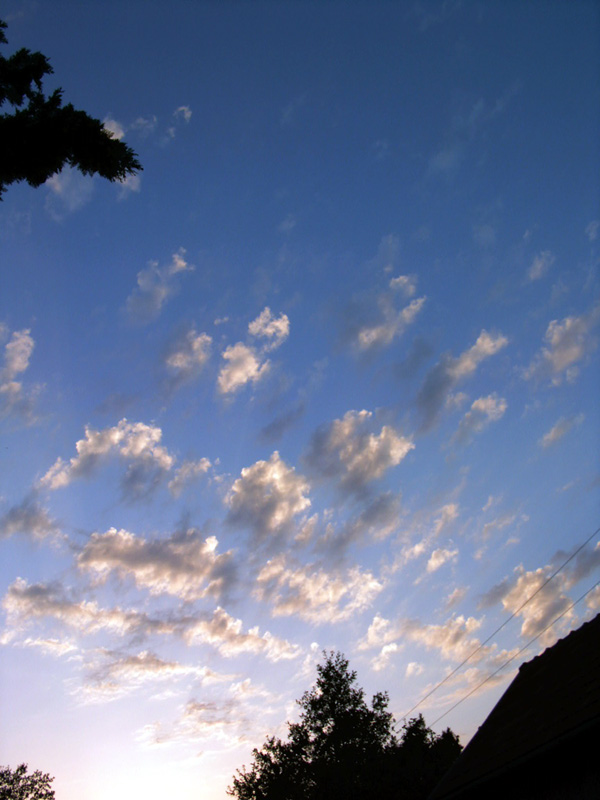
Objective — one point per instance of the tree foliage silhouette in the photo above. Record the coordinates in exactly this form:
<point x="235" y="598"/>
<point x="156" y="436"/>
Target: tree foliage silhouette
<point x="39" y="136"/>
<point x="344" y="748"/>
<point x="19" y="784"/>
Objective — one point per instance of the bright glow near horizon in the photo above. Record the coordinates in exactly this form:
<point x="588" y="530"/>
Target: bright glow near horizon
<point x="324" y="376"/>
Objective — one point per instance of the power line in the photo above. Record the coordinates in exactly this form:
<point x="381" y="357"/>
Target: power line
<point x="512" y="658"/>
<point x="506" y="621"/>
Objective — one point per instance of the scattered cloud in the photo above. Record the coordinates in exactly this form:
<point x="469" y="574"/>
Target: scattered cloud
<point x="560" y="429"/>
<point x="483" y="411"/>
<point x="184" y="565"/>
<point x="540" y="265"/>
<point x="14" y="400"/>
<point x="226" y="634"/>
<point x="274" y="329"/>
<point x="349" y="453"/>
<point x="155" y="285"/>
<point x="439" y="557"/>
<point x="392" y="323"/>
<point x="592" y="230"/>
<point x="449" y="371"/>
<point x="247" y="363"/>
<point x="188" y="472"/>
<point x="267" y="497"/>
<point x="135" y="442"/>
<point x="187" y="357"/>
<point x="114" y="128"/>
<point x="28" y="518"/>
<point x="567" y="343"/>
<point x="243" y="365"/>
<point x="313" y="594"/>
<point x="69" y="190"/>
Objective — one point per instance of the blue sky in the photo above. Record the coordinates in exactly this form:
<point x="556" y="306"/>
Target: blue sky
<point x="323" y="376"/>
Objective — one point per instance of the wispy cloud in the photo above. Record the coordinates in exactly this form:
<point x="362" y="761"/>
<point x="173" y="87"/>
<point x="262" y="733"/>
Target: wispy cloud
<point x="567" y="342"/>
<point x="135" y="442"/>
<point x="155" y="285"/>
<point x="560" y="429"/>
<point x="348" y="452"/>
<point x="14" y="400"/>
<point x="449" y="371"/>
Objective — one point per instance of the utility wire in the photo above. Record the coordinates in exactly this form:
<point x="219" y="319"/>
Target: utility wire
<point x="512" y="658"/>
<point x="506" y="621"/>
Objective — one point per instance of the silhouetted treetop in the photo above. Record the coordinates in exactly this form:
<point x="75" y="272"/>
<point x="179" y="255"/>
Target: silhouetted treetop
<point x="39" y="136"/>
<point x="344" y="748"/>
<point x="18" y="784"/>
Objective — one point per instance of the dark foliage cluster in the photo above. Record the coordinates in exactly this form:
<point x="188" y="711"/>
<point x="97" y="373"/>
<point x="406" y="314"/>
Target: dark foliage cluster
<point x="39" y="136"/>
<point x="18" y="784"/>
<point x="344" y="748"/>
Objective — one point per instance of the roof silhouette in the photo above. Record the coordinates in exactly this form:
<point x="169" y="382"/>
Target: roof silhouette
<point x="545" y="727"/>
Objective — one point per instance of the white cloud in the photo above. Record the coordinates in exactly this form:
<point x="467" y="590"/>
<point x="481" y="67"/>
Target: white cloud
<point x="439" y="383"/>
<point x="267" y="497"/>
<point x="136" y="442"/>
<point x="187" y="357"/>
<point x="413" y="668"/>
<point x="25" y="603"/>
<point x="560" y="429"/>
<point x="70" y="190"/>
<point x="393" y="324"/>
<point x="114" y="128"/>
<point x="187" y="473"/>
<point x="226" y="634"/>
<point x="439" y="557"/>
<point x="243" y="365"/>
<point x="347" y="451"/>
<point x="313" y="594"/>
<point x="274" y="329"/>
<point x="483" y="411"/>
<point x="184" y="565"/>
<point x="567" y="343"/>
<point x="540" y="265"/>
<point x="154" y="287"/>
<point x="407" y="284"/>
<point x="17" y="354"/>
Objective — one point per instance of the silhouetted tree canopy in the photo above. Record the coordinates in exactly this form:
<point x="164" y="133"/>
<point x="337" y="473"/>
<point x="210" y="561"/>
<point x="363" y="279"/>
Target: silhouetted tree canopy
<point x="39" y="136"/>
<point x="18" y="784"/>
<point x="344" y="748"/>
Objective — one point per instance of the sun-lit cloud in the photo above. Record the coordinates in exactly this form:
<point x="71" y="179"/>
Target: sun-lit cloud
<point x="567" y="343"/>
<point x="560" y="429"/>
<point x="187" y="473"/>
<point x="347" y="452"/>
<point x="135" y="442"/>
<point x="449" y="371"/>
<point x="186" y="357"/>
<point x="184" y="565"/>
<point x="274" y="329"/>
<point x="483" y="411"/>
<point x="439" y="557"/>
<point x="27" y="603"/>
<point x="14" y="400"/>
<point x="155" y="285"/>
<point x="227" y="635"/>
<point x="267" y="497"/>
<point x="313" y="594"/>
<point x="392" y="323"/>
<point x="243" y="365"/>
